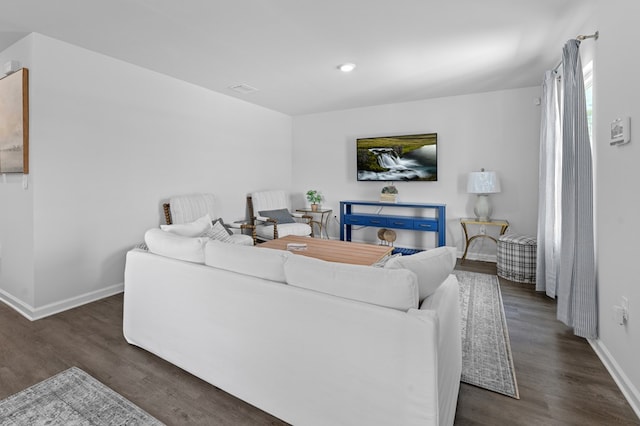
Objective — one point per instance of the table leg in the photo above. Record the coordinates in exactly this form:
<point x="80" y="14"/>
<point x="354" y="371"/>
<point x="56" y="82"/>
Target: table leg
<point x="325" y="225"/>
<point x="466" y="242"/>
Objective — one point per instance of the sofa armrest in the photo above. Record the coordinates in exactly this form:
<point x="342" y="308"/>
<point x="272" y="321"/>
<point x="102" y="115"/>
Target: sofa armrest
<point x="265" y="219"/>
<point x="242" y="226"/>
<point x="238" y="227"/>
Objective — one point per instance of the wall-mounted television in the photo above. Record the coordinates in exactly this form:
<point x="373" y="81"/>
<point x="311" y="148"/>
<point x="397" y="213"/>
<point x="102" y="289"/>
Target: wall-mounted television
<point x="398" y="158"/>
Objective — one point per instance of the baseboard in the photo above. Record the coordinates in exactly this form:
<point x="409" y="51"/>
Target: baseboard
<point x="479" y="256"/>
<point x="31" y="313"/>
<point x="629" y="391"/>
<point x="18" y="305"/>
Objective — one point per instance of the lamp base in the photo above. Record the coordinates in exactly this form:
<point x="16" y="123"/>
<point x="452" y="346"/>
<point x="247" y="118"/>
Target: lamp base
<point x="483" y="208"/>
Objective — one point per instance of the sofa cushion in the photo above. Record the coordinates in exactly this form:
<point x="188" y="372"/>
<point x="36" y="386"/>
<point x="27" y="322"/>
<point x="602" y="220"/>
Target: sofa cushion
<point x="248" y="260"/>
<point x="432" y="267"/>
<point x="191" y="229"/>
<point x="280" y="215"/>
<point x="298" y="228"/>
<point x="396" y="289"/>
<point x="175" y="246"/>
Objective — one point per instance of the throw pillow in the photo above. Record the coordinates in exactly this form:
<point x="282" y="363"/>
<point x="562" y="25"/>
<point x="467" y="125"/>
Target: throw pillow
<point x="192" y="229"/>
<point x="217" y="232"/>
<point x="227" y="227"/>
<point x="281" y="215"/>
<point x="432" y="267"/>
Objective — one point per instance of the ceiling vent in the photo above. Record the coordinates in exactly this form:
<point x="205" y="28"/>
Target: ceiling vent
<point x="242" y="88"/>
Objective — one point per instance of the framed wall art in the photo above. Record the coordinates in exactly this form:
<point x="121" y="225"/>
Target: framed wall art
<point x="14" y="122"/>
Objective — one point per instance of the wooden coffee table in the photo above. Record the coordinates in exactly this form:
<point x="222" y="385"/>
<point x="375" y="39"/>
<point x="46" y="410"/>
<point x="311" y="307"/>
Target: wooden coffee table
<point x="333" y="250"/>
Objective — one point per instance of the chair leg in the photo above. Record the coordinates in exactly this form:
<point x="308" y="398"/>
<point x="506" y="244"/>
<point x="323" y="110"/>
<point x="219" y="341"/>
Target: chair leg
<point x="167" y="213"/>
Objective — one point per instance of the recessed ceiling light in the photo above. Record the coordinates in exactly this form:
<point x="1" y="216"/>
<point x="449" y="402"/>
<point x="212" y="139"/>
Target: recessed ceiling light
<point x="348" y="67"/>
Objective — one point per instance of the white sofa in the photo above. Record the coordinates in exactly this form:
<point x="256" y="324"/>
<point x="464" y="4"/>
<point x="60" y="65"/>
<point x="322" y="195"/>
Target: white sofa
<point x="311" y="342"/>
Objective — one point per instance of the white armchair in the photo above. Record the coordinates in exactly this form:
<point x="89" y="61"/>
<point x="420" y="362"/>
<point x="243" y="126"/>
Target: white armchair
<point x="271" y="214"/>
<point x="188" y="208"/>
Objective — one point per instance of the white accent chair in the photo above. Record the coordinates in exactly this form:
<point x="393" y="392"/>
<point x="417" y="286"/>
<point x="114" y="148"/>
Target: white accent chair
<point x="188" y="208"/>
<point x="269" y="228"/>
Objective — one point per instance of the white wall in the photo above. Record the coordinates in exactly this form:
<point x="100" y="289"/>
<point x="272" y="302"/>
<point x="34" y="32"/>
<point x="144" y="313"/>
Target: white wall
<point x="16" y="217"/>
<point x="498" y="131"/>
<point x="616" y="87"/>
<point x="109" y="142"/>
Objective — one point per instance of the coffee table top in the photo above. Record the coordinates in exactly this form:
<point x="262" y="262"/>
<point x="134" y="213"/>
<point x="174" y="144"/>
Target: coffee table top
<point x="333" y="250"/>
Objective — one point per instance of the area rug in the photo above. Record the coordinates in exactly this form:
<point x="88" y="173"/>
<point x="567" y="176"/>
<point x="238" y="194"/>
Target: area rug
<point x="487" y="361"/>
<point x="71" y="398"/>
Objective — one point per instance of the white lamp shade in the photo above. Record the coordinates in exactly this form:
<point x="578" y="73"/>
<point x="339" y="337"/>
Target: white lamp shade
<point x="483" y="183"/>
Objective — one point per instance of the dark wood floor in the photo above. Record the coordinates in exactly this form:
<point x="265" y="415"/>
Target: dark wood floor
<point x="561" y="380"/>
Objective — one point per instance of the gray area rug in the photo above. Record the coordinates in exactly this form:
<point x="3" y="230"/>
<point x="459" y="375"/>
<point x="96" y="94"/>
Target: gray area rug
<point x="486" y="352"/>
<point x="71" y="398"/>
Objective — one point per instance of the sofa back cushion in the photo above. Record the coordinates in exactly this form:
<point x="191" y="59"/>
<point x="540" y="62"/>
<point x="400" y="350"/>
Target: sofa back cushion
<point x="248" y="260"/>
<point x="432" y="267"/>
<point x="397" y="289"/>
<point x="175" y="246"/>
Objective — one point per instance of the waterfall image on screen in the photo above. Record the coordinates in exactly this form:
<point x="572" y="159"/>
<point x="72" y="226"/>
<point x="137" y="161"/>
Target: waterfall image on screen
<point x="398" y="158"/>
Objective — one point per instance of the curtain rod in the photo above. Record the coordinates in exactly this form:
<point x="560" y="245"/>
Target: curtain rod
<point x="594" y="36"/>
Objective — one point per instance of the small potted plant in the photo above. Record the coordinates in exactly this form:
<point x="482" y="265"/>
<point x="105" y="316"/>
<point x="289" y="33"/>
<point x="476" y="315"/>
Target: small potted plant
<point x="389" y="194"/>
<point x="314" y="197"/>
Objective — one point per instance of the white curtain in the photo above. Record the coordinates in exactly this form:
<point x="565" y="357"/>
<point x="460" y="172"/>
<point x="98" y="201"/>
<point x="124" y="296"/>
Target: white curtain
<point x="577" y="296"/>
<point x="572" y="280"/>
<point x="548" y="250"/>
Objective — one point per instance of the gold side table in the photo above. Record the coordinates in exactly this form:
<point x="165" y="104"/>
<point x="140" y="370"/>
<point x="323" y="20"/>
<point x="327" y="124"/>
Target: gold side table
<point x="503" y="224"/>
<point x="323" y="222"/>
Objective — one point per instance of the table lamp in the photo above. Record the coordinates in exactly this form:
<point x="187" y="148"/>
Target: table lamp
<point x="483" y="183"/>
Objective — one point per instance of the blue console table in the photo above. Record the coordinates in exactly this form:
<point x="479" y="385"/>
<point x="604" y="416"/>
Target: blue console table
<point x="349" y="218"/>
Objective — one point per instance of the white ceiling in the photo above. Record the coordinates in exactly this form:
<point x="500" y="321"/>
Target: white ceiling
<point x="405" y="50"/>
